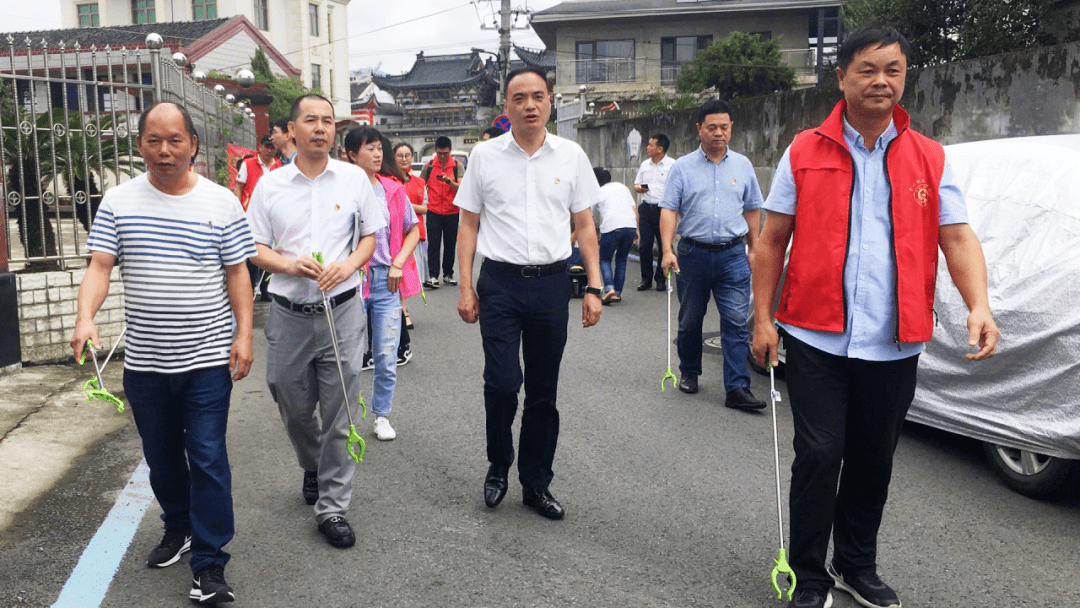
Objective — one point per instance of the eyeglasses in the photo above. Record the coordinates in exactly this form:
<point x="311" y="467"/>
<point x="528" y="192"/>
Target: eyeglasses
<point x="403" y="156"/>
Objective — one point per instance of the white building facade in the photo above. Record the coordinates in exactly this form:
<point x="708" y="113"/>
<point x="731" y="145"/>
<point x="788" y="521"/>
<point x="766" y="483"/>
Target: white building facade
<point x="311" y="34"/>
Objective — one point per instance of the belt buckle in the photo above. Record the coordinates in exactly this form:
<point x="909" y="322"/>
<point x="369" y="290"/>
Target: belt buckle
<point x="530" y="272"/>
<point x="313" y="309"/>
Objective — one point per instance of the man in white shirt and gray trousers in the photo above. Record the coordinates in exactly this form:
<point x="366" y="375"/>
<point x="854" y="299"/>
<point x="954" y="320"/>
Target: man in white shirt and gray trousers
<point x="650" y="182"/>
<point x="516" y="201"/>
<point x="311" y="206"/>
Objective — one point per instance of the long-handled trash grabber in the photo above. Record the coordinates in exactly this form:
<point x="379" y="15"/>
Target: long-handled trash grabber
<point x="94" y="388"/>
<point x="668" y="374"/>
<point x="781" y="563"/>
<point x="354" y="437"/>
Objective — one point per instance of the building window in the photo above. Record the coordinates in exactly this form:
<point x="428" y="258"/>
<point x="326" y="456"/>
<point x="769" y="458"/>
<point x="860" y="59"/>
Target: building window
<point x="88" y="15"/>
<point x="261" y="20"/>
<point x="316" y="76"/>
<point x="676" y="53"/>
<point x="142" y="11"/>
<point x="313" y="19"/>
<point x="605" y="61"/>
<point x="204" y="9"/>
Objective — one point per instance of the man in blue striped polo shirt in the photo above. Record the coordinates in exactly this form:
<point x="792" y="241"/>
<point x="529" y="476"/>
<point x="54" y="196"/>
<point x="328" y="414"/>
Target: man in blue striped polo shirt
<point x="181" y="242"/>
<point x="712" y="194"/>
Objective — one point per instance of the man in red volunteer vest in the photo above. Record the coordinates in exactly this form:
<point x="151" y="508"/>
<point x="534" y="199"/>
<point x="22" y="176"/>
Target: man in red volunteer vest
<point x="254" y="167"/>
<point x="865" y="202"/>
<point x="443" y="177"/>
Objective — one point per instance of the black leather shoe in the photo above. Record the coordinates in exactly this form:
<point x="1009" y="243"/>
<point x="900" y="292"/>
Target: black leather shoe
<point x="338" y="532"/>
<point x="688" y="383"/>
<point x="310" y="489"/>
<point x="743" y="399"/>
<point x="495" y="485"/>
<point x="542" y="502"/>
<point x="661" y="286"/>
<point x="644" y="286"/>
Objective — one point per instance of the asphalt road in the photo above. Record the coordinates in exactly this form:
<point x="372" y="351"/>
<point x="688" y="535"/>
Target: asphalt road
<point x="670" y="499"/>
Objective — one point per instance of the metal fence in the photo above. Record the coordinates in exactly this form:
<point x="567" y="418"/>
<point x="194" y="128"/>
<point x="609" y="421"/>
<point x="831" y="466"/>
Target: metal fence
<point x="68" y="129"/>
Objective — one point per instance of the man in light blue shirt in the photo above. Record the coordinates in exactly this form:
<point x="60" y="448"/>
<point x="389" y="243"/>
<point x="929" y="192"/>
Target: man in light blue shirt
<point x="713" y="197"/>
<point x="866" y="202"/>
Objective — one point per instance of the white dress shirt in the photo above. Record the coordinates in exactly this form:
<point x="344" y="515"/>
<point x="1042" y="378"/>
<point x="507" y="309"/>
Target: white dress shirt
<point x="525" y="202"/>
<point x="297" y="216"/>
<point x="654" y="175"/>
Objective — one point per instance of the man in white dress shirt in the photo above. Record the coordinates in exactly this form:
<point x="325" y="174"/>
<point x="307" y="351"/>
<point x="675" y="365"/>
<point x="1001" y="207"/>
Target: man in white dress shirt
<point x="516" y="202"/>
<point x="650" y="182"/>
<point x="304" y="207"/>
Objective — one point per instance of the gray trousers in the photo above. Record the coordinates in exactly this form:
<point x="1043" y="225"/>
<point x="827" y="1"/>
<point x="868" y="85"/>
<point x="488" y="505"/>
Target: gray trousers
<point x="303" y="380"/>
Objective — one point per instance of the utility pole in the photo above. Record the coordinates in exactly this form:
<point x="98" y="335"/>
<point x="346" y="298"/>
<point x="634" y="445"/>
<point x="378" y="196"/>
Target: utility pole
<point x="506" y="23"/>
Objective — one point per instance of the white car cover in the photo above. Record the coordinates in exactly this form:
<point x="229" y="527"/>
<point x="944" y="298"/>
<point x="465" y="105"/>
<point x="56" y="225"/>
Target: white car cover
<point x="1023" y="199"/>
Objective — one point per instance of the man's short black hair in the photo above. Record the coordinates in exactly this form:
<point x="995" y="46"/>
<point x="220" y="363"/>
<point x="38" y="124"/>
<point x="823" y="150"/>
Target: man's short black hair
<point x="294" y="112"/>
<point x="713" y="106"/>
<point x="603" y="176"/>
<point x="189" y="126"/>
<point x="493" y="132"/>
<point x="661" y="140"/>
<point x="442" y="142"/>
<point x="526" y="70"/>
<point x="866" y="37"/>
<point x="282" y="124"/>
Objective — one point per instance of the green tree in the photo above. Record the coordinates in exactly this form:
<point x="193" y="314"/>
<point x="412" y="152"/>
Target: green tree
<point x="741" y="65"/>
<point x="282" y="90"/>
<point x="941" y="31"/>
<point x="260" y="66"/>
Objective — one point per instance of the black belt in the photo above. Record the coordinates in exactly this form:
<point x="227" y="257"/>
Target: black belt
<point x="529" y="272"/>
<point x="714" y="247"/>
<point x="317" y="308"/>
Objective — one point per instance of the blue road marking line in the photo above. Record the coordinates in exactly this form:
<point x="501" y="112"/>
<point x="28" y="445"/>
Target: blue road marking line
<point x="90" y="580"/>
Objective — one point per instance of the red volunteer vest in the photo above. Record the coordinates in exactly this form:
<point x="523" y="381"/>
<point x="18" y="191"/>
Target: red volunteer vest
<point x="254" y="172"/>
<point x="813" y="294"/>
<point x="441" y="194"/>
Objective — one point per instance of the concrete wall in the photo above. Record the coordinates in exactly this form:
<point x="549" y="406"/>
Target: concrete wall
<point x="1019" y="94"/>
<point x="47" y="304"/>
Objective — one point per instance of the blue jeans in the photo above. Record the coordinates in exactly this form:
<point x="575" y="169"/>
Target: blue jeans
<point x="182" y="420"/>
<point x="615" y="243"/>
<point x="726" y="276"/>
<point x="384" y="310"/>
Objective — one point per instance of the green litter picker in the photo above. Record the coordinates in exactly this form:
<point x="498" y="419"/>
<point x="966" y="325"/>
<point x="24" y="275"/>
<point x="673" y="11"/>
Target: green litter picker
<point x="94" y="388"/>
<point x="354" y="437"/>
<point x="780" y="563"/>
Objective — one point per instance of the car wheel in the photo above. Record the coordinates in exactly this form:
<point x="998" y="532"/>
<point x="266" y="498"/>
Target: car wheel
<point x="1031" y="474"/>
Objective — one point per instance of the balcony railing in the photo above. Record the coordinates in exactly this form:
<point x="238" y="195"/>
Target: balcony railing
<point x="611" y="70"/>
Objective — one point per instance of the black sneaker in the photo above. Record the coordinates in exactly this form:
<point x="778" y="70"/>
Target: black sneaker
<point x="404" y="355"/>
<point x="310" y="489"/>
<point x="811" y="598"/>
<point x="449" y="280"/>
<point x="176" y="542"/>
<point x="867" y="589"/>
<point x="368" y="363"/>
<point x="338" y="532"/>
<point x="429" y="285"/>
<point x="208" y="586"/>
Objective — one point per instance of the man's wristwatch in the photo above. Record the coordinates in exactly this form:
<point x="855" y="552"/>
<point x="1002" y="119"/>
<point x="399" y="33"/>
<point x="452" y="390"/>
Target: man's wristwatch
<point x="594" y="291"/>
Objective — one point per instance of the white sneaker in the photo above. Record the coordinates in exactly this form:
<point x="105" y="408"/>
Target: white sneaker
<point x="383" y="430"/>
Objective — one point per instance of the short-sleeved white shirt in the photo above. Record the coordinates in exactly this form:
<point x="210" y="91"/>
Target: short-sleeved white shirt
<point x="616" y="207"/>
<point x="241" y="175"/>
<point x="297" y="216"/>
<point x="655" y="176"/>
<point x="525" y="202"/>
<point x="172" y="252"/>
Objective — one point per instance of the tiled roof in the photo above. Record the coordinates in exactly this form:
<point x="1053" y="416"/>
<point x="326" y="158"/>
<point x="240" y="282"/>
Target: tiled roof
<point x="542" y="59"/>
<point x="437" y="71"/>
<point x="180" y="33"/>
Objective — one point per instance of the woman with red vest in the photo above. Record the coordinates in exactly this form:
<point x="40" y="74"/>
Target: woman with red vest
<point x="865" y="202"/>
<point x="391" y="268"/>
<point x="253" y="167"/>
<point x="414" y="188"/>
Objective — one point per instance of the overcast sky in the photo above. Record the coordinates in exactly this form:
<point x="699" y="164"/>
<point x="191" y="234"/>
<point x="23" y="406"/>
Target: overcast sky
<point x="388" y="36"/>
